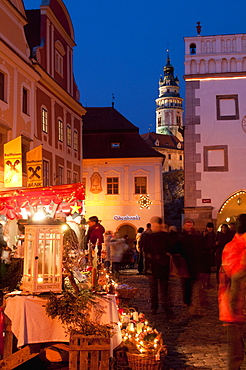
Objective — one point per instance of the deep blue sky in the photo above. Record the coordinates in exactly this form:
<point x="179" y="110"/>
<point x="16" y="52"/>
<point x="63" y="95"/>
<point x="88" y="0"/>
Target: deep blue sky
<point x="121" y="47"/>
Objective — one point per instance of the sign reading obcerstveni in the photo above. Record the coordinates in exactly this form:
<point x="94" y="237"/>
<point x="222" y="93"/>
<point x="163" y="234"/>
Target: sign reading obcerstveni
<point x="126" y="218"/>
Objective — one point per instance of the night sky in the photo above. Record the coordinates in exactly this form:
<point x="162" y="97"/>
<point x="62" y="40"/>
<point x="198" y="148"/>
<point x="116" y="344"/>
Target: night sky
<point x="121" y="47"/>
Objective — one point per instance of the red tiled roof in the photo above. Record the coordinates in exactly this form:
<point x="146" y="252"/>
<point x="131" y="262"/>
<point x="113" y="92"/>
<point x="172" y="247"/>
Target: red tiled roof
<point x="165" y="141"/>
<point x="104" y="126"/>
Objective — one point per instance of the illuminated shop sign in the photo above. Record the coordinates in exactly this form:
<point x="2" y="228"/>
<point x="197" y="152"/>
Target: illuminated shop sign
<point x="126" y="218"/>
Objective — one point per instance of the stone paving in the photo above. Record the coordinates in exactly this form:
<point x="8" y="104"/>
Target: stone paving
<point x="193" y="341"/>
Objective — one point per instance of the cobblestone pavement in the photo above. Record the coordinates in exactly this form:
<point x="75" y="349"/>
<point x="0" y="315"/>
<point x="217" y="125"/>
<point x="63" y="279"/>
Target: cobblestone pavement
<point x="193" y="341"/>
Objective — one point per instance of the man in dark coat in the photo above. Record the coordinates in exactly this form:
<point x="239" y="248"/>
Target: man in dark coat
<point x="95" y="233"/>
<point x="156" y="246"/>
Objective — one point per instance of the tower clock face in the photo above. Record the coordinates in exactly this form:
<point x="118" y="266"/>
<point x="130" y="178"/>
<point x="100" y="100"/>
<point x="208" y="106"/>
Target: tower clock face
<point x="244" y="123"/>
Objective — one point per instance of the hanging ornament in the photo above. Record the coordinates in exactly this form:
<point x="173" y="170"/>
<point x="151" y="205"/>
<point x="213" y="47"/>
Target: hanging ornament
<point x="144" y="201"/>
<point x="75" y="208"/>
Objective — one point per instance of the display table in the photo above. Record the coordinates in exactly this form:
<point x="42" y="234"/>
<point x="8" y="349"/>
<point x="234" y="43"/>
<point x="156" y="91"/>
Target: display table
<point x="31" y="324"/>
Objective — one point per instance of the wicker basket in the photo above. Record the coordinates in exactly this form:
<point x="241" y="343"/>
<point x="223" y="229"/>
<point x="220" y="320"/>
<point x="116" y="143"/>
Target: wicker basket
<point x="127" y="293"/>
<point x="145" y="362"/>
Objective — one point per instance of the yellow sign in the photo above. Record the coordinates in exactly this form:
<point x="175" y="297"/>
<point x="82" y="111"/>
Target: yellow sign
<point x="13" y="163"/>
<point x="34" y="162"/>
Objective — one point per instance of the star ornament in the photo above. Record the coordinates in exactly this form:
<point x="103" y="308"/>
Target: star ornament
<point x="75" y="208"/>
<point x="144" y="201"/>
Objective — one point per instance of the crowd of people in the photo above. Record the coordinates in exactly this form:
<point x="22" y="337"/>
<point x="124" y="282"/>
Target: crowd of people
<point x="225" y="250"/>
<point x="151" y="251"/>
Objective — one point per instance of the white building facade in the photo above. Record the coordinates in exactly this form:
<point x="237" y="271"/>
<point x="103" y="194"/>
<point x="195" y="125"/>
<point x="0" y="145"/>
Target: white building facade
<point x="122" y="175"/>
<point x="215" y="128"/>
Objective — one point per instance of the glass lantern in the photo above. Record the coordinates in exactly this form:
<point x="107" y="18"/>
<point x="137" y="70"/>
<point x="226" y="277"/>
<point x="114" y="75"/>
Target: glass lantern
<point x="43" y="249"/>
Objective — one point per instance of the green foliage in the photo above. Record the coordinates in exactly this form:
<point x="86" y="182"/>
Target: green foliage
<point x="72" y="309"/>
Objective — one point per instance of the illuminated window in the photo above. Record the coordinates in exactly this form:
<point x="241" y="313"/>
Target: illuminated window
<point x="60" y="130"/>
<point x="69" y="136"/>
<point x="75" y="140"/>
<point x="140" y="185"/>
<point x="44" y="120"/>
<point x="46" y="173"/>
<point x="112" y="185"/>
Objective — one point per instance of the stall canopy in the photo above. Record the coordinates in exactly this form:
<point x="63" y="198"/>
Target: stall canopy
<point x="64" y="196"/>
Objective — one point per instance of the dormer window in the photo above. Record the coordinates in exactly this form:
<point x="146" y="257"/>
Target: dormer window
<point x="157" y="143"/>
<point x="115" y="144"/>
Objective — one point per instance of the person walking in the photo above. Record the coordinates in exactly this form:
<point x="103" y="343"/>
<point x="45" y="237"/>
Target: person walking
<point x="146" y="262"/>
<point x="207" y="253"/>
<point x="139" y="250"/>
<point x="95" y="233"/>
<point x="156" y="246"/>
<point x="232" y="293"/>
<point x="222" y="238"/>
<point x="117" y="247"/>
<point x="190" y="250"/>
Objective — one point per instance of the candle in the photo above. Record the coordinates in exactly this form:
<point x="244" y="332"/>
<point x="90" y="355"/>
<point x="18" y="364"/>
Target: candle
<point x="130" y="326"/>
<point x="139" y="327"/>
<point x="93" y="277"/>
<point x="135" y="316"/>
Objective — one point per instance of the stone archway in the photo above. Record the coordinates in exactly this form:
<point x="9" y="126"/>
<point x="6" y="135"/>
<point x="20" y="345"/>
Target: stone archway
<point x="232" y="207"/>
<point x="128" y="229"/>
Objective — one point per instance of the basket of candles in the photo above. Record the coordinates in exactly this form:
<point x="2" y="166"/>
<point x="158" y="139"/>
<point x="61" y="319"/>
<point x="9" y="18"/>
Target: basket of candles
<point x="145" y="348"/>
<point x="141" y="361"/>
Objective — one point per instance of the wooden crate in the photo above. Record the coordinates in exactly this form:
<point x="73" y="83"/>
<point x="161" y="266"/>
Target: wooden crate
<point x="89" y="353"/>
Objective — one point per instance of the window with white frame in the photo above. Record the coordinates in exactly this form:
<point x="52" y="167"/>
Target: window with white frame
<point x="141" y="185"/>
<point x="112" y="185"/>
<point x="75" y="140"/>
<point x="44" y="120"/>
<point x="60" y="130"/>
<point x="46" y="173"/>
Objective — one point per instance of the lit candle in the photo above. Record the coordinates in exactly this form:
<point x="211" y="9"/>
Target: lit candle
<point x="135" y="316"/>
<point x="139" y="327"/>
<point x="40" y="279"/>
<point x="130" y="326"/>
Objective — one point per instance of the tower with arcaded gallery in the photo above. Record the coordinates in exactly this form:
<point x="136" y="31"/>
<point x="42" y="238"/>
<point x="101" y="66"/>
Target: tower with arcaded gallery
<point x="169" y="110"/>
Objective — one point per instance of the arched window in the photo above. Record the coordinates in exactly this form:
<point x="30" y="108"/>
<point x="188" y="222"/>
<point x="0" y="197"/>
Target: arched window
<point x="192" y="49"/>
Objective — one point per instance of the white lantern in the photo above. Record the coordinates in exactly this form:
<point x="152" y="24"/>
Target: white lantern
<point x="43" y="249"/>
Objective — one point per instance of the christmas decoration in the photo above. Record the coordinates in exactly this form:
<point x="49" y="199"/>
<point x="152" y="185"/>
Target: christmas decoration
<point x="144" y="201"/>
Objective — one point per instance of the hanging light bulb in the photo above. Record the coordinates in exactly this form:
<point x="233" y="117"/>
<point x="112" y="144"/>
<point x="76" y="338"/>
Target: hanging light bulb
<point x="239" y="201"/>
